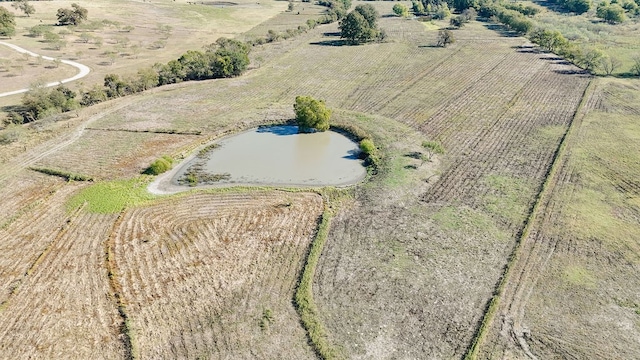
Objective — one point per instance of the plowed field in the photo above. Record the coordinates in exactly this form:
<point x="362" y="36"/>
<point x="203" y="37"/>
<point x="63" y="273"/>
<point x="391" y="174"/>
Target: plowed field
<point x="413" y="256"/>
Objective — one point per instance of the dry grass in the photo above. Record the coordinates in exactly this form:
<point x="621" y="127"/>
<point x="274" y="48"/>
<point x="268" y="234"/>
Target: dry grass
<point x="192" y="27"/>
<point x="213" y="275"/>
<point x="583" y="248"/>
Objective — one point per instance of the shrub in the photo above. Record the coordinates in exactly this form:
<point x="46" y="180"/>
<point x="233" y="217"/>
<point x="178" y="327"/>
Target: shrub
<point x="159" y="166"/>
<point x="367" y="147"/>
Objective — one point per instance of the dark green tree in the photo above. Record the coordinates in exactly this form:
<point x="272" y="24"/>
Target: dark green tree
<point x="7" y="23"/>
<point x="74" y="16"/>
<point x="355" y="28"/>
<point x="577" y="6"/>
<point x="369" y="13"/>
<point x="360" y="25"/>
<point x="311" y="114"/>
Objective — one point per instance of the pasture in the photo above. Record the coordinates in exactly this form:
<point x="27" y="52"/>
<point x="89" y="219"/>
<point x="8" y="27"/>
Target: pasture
<point x="520" y="239"/>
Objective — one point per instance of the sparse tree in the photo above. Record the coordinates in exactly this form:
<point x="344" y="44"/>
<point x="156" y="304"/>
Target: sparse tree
<point x="7" y="23"/>
<point x="51" y="37"/>
<point x="591" y="59"/>
<point x="164" y="30"/>
<point x="112" y="55"/>
<point x="635" y="68"/>
<point x="38" y="30"/>
<point x="290" y="6"/>
<point x="445" y="37"/>
<point x="24" y="6"/>
<point x="609" y="64"/>
<point x="311" y="114"/>
<point x="84" y="37"/>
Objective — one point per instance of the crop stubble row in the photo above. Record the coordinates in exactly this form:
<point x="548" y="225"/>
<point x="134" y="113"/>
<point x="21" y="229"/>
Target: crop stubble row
<point x="203" y="278"/>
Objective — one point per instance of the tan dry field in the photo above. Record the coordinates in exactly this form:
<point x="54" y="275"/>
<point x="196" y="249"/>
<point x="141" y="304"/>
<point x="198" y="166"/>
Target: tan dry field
<point x="583" y="247"/>
<point x="18" y="71"/>
<point x="192" y="27"/>
<point x="413" y="256"/>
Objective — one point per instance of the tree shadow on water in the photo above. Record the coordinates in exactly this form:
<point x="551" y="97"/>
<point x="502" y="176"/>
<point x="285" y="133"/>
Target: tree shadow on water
<point x="352" y="155"/>
<point x="282" y="130"/>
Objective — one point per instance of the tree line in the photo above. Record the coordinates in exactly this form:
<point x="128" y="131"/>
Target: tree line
<point x="223" y="59"/>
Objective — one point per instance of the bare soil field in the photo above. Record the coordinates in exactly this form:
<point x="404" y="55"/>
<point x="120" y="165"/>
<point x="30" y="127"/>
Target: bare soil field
<point x="413" y="256"/>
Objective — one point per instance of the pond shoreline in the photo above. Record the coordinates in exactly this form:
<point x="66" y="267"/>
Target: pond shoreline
<point x="165" y="184"/>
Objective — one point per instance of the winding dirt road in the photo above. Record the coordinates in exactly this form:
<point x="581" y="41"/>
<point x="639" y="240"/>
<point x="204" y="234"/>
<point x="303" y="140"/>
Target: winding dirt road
<point x="84" y="70"/>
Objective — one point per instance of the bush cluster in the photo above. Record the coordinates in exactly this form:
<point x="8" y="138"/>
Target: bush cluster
<point x="159" y="166"/>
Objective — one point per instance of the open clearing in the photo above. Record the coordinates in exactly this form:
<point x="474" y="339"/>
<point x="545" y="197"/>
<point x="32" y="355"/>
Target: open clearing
<point x="413" y="256"/>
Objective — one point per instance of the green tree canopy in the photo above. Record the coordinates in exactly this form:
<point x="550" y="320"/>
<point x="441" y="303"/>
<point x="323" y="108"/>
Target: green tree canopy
<point x="73" y="16"/>
<point x="360" y="25"/>
<point x="370" y="14"/>
<point x="611" y="13"/>
<point x="311" y="114"/>
<point x="401" y="10"/>
<point x="7" y="23"/>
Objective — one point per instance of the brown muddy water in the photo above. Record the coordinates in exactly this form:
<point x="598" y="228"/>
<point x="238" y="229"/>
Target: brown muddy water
<point x="276" y="155"/>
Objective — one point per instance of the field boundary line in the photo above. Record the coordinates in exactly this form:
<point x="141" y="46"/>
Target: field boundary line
<point x="43" y="150"/>
<point x="61" y="232"/>
<point x="303" y="297"/>
<point x="543" y="194"/>
<point x="124" y="329"/>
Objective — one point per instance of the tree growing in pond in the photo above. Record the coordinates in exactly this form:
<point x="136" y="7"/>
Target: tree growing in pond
<point x="311" y="114"/>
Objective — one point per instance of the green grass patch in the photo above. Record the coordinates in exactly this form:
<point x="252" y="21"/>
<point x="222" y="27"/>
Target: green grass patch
<point x="303" y="298"/>
<point x="112" y="196"/>
<point x="579" y="276"/>
<point x="509" y="198"/>
<point x="466" y="220"/>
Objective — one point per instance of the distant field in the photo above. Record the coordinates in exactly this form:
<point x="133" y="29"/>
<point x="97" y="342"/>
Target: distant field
<point x="413" y="255"/>
<point x="191" y="26"/>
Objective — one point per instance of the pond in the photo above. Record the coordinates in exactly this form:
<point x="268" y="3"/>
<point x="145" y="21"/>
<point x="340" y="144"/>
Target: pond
<point x="275" y="155"/>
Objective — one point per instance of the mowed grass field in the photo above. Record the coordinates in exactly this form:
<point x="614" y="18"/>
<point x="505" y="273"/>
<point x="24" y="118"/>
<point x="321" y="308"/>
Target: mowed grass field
<point x="413" y="256"/>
